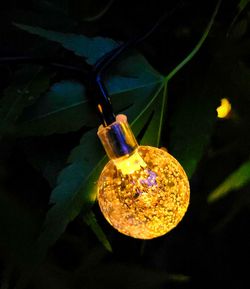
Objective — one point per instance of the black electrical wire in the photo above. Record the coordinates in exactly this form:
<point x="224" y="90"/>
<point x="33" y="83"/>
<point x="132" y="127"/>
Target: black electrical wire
<point x="99" y="90"/>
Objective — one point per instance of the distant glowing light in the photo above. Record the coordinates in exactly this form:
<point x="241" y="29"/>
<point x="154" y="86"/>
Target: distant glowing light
<point x="224" y="109"/>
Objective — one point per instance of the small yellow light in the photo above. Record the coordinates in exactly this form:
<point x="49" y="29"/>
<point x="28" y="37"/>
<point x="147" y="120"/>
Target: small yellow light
<point x="224" y="109"/>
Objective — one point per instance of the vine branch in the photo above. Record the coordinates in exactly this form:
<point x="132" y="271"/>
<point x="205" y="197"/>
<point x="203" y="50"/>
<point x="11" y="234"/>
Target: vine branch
<point x="197" y="47"/>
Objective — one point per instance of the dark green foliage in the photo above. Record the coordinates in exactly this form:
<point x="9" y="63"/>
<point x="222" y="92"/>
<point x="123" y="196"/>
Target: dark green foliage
<point x="235" y="181"/>
<point x="90" y="49"/>
<point x="90" y="219"/>
<point x="131" y="83"/>
<point x="27" y="85"/>
<point x="52" y="234"/>
<point x="64" y="101"/>
<point x="196" y="122"/>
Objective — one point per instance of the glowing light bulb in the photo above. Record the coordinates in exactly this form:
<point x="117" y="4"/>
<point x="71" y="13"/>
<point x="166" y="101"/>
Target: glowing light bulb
<point x="224" y="109"/>
<point x="143" y="191"/>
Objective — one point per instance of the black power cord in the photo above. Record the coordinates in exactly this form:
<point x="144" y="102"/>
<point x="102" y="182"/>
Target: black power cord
<point x="98" y="88"/>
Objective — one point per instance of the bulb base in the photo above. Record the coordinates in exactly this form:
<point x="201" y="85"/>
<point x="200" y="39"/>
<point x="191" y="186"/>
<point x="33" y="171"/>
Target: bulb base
<point x="117" y="138"/>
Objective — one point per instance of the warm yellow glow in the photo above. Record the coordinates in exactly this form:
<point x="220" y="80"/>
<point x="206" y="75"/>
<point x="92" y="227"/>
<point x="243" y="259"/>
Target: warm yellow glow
<point x="224" y="109"/>
<point x="148" y="200"/>
<point x="129" y="164"/>
<point x="99" y="108"/>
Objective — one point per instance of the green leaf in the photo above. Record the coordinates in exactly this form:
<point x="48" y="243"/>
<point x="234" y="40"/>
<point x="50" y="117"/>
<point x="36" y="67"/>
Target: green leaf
<point x="90" y="48"/>
<point x="90" y="220"/>
<point x="66" y="107"/>
<point x="243" y="4"/>
<point x="27" y="85"/>
<point x="131" y="77"/>
<point x="69" y="195"/>
<point x="241" y="29"/>
<point x="192" y="122"/>
<point x="235" y="181"/>
<point x="76" y="188"/>
<point x="134" y="85"/>
<point x="152" y="134"/>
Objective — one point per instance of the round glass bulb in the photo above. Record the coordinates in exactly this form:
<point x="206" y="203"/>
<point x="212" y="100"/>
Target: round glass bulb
<point x="143" y="194"/>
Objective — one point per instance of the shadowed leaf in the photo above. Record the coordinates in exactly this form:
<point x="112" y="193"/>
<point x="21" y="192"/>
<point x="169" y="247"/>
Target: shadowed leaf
<point x="243" y="4"/>
<point x="90" y="219"/>
<point x="27" y="85"/>
<point x="76" y="188"/>
<point x="192" y="124"/>
<point x="66" y="107"/>
<point x="235" y="181"/>
<point x="90" y="48"/>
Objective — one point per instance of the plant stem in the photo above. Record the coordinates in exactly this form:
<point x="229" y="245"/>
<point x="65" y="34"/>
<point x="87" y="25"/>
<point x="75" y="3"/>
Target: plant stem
<point x="197" y="47"/>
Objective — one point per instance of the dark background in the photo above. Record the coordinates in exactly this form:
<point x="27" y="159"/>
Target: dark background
<point x="210" y="247"/>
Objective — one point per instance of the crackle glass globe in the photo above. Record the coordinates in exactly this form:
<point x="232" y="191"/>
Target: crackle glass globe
<point x="145" y="194"/>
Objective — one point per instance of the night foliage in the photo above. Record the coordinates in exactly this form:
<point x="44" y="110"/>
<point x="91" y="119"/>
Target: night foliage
<point x="52" y="234"/>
